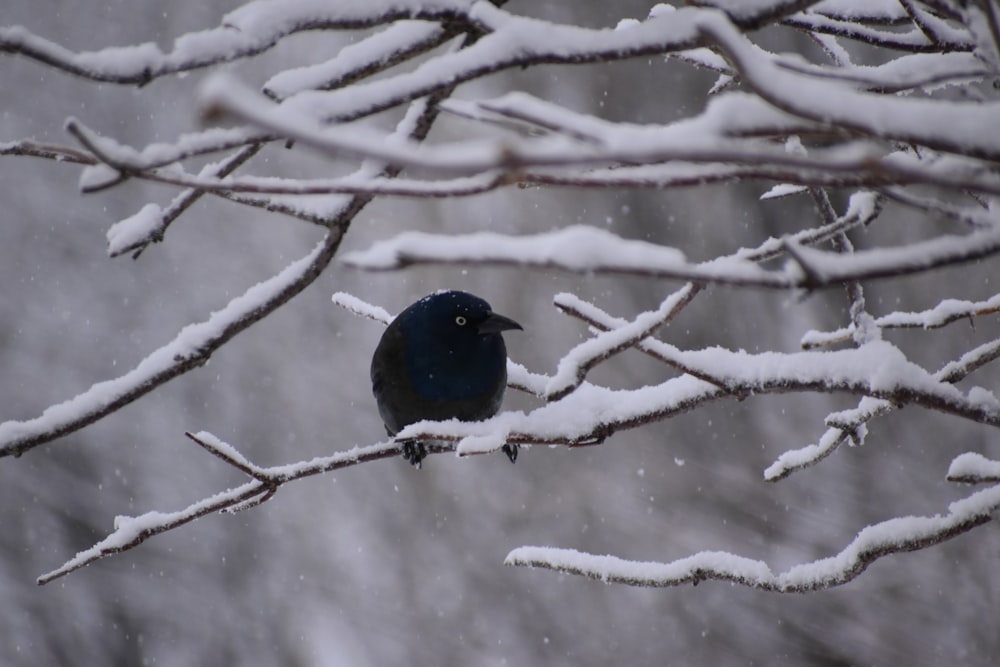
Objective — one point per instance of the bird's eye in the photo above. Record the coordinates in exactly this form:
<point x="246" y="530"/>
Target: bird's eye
<point x="460" y="321"/>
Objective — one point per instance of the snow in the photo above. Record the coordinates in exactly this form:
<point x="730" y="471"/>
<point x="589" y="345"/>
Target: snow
<point x="706" y="564"/>
<point x="575" y="419"/>
<point x="521" y="378"/>
<point x="509" y="40"/>
<point x="973" y="467"/>
<point x="224" y="91"/>
<point x="189" y="343"/>
<point x="945" y="312"/>
<point x="98" y="176"/>
<point x="909" y="71"/>
<point x="222" y="449"/>
<point x="362" y="308"/>
<point x="377" y="48"/>
<point x="871" y="543"/>
<point x="884" y="10"/>
<point x="799" y="97"/>
<point x="591" y="250"/>
<point x="131" y="530"/>
<point x="983" y="397"/>
<point x="480" y="444"/>
<point x="852" y="422"/>
<point x="831" y="267"/>
<point x="957" y="127"/>
<point x="574" y="364"/>
<point x="782" y="190"/>
<point x="874" y="369"/>
<point x="246" y="31"/>
<point x="577" y="248"/>
<point x="159" y="154"/>
<point x="797" y="459"/>
<point x="134" y="229"/>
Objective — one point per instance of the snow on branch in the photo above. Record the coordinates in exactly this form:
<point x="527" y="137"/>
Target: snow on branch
<point x="597" y="413"/>
<point x="510" y="41"/>
<point x="591" y="414"/>
<point x="615" y="337"/>
<point x="190" y="348"/>
<point x="247" y="31"/>
<point x="859" y="133"/>
<point x="397" y="43"/>
<point x="726" y="135"/>
<point x="908" y="72"/>
<point x="957" y="128"/>
<point x="135" y="233"/>
<point x="944" y="313"/>
<point x="195" y="343"/>
<point x="850" y="27"/>
<point x="973" y="468"/>
<point x="872" y="543"/>
<point x="579" y="249"/>
<point x="130" y="532"/>
<point x="362" y="308"/>
<point x="852" y="423"/>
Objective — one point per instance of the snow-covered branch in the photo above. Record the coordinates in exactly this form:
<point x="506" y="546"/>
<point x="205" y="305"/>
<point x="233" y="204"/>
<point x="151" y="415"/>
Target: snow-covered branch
<point x="915" y="132"/>
<point x="593" y="251"/>
<point x="591" y="413"/>
<point x="957" y="127"/>
<point x="851" y="424"/>
<point x="129" y="532"/>
<point x="195" y="343"/>
<point x="248" y="31"/>
<point x="973" y="468"/>
<point x="872" y="543"/>
<point x="575" y="364"/>
<point x="943" y="314"/>
<point x="260" y="25"/>
<point x="191" y="347"/>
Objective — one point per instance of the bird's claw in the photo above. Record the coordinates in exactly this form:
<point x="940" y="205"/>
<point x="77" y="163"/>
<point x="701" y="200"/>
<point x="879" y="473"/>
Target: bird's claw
<point x="414" y="452"/>
<point x="511" y="452"/>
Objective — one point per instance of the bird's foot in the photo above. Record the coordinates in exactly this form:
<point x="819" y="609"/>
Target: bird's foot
<point x="415" y="452"/>
<point x="511" y="452"/>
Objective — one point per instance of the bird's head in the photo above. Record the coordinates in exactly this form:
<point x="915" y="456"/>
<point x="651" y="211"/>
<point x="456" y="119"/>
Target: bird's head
<point x="454" y="316"/>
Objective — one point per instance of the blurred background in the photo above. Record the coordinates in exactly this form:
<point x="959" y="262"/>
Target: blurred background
<point x="380" y="564"/>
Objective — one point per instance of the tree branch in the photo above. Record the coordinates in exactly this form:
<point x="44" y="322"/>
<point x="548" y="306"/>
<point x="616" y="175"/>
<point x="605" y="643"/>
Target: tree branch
<point x="872" y="543"/>
<point x="610" y="255"/>
<point x="195" y="343"/>
<point x="851" y="423"/>
<point x="941" y="315"/>
<point x="130" y="532"/>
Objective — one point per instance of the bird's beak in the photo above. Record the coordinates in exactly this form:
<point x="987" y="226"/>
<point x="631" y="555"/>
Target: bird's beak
<point x="496" y="323"/>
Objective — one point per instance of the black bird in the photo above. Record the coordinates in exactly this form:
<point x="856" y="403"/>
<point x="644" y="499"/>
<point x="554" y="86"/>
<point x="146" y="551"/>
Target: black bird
<point x="441" y="358"/>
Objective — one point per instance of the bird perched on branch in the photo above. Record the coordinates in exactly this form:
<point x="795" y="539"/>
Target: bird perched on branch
<point x="441" y="358"/>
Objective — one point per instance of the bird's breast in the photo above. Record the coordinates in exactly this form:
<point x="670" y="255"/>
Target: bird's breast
<point x="449" y="374"/>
